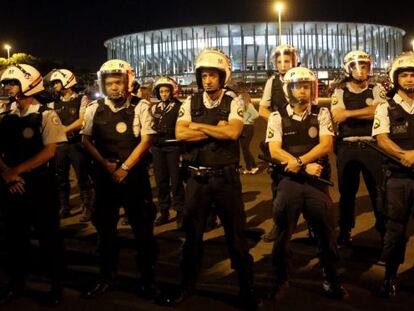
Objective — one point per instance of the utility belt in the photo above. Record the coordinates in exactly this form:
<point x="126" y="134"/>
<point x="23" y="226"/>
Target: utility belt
<point x="229" y="172"/>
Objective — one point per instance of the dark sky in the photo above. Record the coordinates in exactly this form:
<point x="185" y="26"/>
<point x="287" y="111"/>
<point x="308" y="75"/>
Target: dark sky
<point x="74" y="31"/>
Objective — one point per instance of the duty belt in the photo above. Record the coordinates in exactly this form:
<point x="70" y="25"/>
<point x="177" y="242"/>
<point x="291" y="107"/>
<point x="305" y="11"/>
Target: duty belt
<point x="203" y="171"/>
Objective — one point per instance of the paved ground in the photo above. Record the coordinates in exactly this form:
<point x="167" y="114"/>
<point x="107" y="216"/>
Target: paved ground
<point x="217" y="288"/>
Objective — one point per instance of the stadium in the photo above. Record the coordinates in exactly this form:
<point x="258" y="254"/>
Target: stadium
<point x="321" y="45"/>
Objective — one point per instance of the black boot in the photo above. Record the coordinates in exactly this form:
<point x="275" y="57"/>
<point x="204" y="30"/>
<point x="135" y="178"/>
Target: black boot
<point x="55" y="296"/>
<point x="344" y="239"/>
<point x="334" y="290"/>
<point x="389" y="287"/>
<point x="163" y="219"/>
<point x="13" y="291"/>
<point x="271" y="235"/>
<point x="247" y="296"/>
<point x="100" y="288"/>
<point x="171" y="299"/>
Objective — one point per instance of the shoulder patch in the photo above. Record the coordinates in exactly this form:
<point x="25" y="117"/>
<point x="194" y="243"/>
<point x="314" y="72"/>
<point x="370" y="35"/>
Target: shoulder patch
<point x="334" y="100"/>
<point x="181" y="112"/>
<point x="240" y="112"/>
<point x="383" y="94"/>
<point x="270" y="133"/>
<point x="377" y="123"/>
<point x="56" y="120"/>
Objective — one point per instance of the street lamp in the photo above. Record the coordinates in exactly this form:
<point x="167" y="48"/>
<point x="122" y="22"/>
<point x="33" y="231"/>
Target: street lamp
<point x="279" y="8"/>
<point x="7" y="47"/>
<point x="412" y="43"/>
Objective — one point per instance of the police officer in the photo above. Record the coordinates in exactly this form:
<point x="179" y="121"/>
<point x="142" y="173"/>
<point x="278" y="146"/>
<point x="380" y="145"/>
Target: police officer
<point x="166" y="151"/>
<point x="29" y="133"/>
<point x="211" y="123"/>
<point x="300" y="136"/>
<point x="117" y="134"/>
<point x="393" y="128"/>
<point x="70" y="107"/>
<point x="284" y="57"/>
<point x="353" y="106"/>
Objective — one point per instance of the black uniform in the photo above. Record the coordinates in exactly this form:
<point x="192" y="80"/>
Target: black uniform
<point x="22" y="137"/>
<point x="166" y="158"/>
<point x="399" y="190"/>
<point x="72" y="153"/>
<point x="297" y="194"/>
<point x="113" y="135"/>
<point x="353" y="158"/>
<point x="214" y="179"/>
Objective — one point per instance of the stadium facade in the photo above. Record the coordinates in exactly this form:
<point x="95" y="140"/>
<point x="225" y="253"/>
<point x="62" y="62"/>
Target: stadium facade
<point x="321" y="45"/>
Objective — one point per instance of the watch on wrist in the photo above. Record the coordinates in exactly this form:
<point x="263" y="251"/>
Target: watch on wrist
<point x="125" y="167"/>
<point x="300" y="162"/>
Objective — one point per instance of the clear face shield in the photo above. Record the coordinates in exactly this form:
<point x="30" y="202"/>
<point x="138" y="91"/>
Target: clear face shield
<point x="302" y="92"/>
<point x="284" y="62"/>
<point x="114" y="86"/>
<point x="360" y="70"/>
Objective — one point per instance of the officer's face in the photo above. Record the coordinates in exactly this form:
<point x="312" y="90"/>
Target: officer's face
<point x="165" y="93"/>
<point x="115" y="86"/>
<point x="360" y="71"/>
<point x="57" y="86"/>
<point x="283" y="63"/>
<point x="211" y="80"/>
<point x="302" y="91"/>
<point x="12" y="88"/>
<point x="406" y="80"/>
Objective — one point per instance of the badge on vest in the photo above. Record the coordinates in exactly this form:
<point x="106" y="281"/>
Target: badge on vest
<point x="377" y="123"/>
<point x="28" y="133"/>
<point x="313" y="132"/>
<point x="369" y="101"/>
<point x="181" y="112"/>
<point x="121" y="127"/>
<point x="72" y="111"/>
<point x="56" y="120"/>
<point x="240" y="112"/>
<point x="270" y="133"/>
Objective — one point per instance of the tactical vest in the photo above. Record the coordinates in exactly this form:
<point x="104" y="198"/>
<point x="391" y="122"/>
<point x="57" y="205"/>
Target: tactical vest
<point x="21" y="137"/>
<point x="299" y="137"/>
<point x="68" y="113"/>
<point x="112" y="132"/>
<point x="278" y="101"/>
<point x="211" y="152"/>
<point x="356" y="127"/>
<point x="165" y="119"/>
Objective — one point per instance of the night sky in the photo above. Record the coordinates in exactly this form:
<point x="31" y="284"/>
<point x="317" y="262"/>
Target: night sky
<point x="74" y="31"/>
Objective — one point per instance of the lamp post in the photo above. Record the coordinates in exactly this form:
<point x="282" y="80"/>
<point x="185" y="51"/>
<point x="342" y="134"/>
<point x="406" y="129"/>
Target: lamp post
<point x="412" y="43"/>
<point x="279" y="8"/>
<point x="7" y="47"/>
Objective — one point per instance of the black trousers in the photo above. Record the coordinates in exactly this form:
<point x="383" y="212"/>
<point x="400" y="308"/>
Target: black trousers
<point x="245" y="140"/>
<point x="227" y="199"/>
<point x="38" y="207"/>
<point x="293" y="198"/>
<point x="134" y="195"/>
<point x="68" y="154"/>
<point x="400" y="204"/>
<point x="168" y="177"/>
<point x="352" y="159"/>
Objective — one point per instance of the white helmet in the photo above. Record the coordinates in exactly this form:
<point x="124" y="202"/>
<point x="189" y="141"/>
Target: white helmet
<point x="66" y="77"/>
<point x="165" y="81"/>
<point x="404" y="61"/>
<point x="285" y="49"/>
<point x="213" y="59"/>
<point x="31" y="81"/>
<point x="300" y="74"/>
<point x="115" y="66"/>
<point x="353" y="58"/>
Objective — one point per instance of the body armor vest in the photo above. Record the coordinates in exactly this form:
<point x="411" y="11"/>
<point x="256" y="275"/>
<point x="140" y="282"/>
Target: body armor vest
<point x="211" y="152"/>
